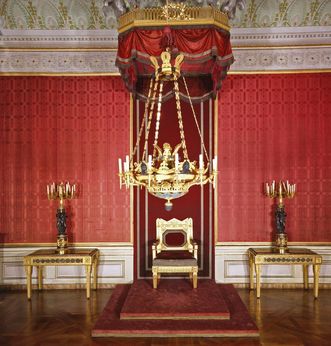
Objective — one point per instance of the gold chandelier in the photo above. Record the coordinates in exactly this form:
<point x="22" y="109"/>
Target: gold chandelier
<point x="164" y="174"/>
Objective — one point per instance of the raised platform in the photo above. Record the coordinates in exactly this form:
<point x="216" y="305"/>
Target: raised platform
<point x="174" y="300"/>
<point x="130" y="311"/>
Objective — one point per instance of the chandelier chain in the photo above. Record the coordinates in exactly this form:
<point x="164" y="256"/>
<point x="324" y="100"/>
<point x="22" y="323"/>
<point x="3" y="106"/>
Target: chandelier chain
<point x="150" y="117"/>
<point x="158" y="118"/>
<point x="195" y="119"/>
<point x="180" y="119"/>
<point x="143" y="120"/>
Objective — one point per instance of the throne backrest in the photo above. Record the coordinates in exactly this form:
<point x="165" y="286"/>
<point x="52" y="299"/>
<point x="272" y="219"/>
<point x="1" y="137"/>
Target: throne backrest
<point x="174" y="234"/>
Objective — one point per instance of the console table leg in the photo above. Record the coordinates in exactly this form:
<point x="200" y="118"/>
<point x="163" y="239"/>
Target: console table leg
<point x="251" y="273"/>
<point x="88" y="280"/>
<point x="317" y="268"/>
<point x="95" y="273"/>
<point x="258" y="280"/>
<point x="28" y="271"/>
<point x="40" y="278"/>
<point x="305" y="276"/>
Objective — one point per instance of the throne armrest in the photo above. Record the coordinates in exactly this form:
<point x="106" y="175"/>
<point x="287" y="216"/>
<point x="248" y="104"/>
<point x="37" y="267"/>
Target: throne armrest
<point x="154" y="248"/>
<point x="195" y="248"/>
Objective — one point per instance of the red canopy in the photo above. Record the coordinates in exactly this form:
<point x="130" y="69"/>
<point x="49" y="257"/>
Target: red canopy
<point x="206" y="49"/>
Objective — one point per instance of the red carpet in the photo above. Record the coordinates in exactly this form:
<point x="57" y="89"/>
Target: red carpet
<point x="110" y="322"/>
<point x="174" y="301"/>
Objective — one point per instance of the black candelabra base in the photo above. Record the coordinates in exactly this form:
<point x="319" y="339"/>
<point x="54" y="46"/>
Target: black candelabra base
<point x="62" y="237"/>
<point x="281" y="236"/>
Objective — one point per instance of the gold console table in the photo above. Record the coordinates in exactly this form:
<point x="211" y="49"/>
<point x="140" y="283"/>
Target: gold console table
<point x="73" y="257"/>
<point x="304" y="257"/>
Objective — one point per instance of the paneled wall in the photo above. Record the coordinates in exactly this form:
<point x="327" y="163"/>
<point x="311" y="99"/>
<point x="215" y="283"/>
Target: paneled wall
<point x="75" y="128"/>
<point x="59" y="129"/>
<point x="274" y="127"/>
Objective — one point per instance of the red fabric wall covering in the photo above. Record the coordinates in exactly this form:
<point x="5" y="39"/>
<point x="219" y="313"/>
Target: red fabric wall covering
<point x="275" y="127"/>
<point x="270" y="127"/>
<point x="61" y="128"/>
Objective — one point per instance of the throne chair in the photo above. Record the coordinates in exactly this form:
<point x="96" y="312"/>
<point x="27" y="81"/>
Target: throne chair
<point x="174" y="250"/>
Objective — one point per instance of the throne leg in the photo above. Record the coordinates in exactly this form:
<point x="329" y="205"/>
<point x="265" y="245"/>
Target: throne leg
<point x="195" y="277"/>
<point x="155" y="277"/>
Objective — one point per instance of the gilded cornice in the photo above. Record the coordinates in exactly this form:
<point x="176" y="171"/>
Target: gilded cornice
<point x="89" y="15"/>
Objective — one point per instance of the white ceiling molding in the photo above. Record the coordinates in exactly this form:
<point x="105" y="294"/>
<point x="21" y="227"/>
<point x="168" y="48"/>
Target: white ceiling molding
<point x="58" y="39"/>
<point x="94" y="51"/>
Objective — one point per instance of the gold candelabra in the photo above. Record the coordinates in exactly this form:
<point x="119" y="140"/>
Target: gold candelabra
<point x="61" y="191"/>
<point x="281" y="191"/>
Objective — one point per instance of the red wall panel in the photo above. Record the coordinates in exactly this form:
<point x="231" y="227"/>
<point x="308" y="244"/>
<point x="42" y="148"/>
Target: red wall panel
<point x="63" y="128"/>
<point x="275" y="127"/>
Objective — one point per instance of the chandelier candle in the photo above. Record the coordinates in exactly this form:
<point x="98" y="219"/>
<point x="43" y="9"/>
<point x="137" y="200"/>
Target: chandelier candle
<point x="281" y="191"/>
<point x="61" y="192"/>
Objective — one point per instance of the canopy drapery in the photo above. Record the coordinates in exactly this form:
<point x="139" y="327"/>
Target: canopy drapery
<point x="206" y="49"/>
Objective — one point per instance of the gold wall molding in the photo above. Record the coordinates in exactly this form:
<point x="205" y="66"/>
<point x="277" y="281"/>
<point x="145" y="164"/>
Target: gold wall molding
<point x="261" y="243"/>
<point x="78" y="244"/>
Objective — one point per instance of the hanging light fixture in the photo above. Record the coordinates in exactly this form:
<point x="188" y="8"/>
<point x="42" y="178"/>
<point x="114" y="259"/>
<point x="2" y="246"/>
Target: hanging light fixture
<point x="166" y="173"/>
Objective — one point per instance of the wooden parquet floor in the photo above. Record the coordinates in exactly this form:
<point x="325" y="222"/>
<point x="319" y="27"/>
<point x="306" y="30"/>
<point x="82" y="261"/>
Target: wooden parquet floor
<point x="65" y="317"/>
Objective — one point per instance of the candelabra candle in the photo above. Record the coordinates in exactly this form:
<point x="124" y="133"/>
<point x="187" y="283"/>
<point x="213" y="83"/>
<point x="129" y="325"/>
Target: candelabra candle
<point x="283" y="190"/>
<point x="61" y="192"/>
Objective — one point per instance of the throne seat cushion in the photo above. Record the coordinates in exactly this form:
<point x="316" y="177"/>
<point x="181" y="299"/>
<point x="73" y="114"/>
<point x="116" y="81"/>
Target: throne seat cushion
<point x="175" y="254"/>
<point x="158" y="262"/>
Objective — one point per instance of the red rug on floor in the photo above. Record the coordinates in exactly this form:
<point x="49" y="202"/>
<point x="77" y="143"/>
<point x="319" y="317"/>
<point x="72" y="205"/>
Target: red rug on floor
<point x="110" y="323"/>
<point x="174" y="299"/>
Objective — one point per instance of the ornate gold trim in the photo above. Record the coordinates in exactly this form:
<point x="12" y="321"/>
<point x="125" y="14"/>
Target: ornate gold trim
<point x="202" y="334"/>
<point x="216" y="186"/>
<point x="131" y="187"/>
<point x="264" y="47"/>
<point x="104" y="49"/>
<point x="117" y="74"/>
<point x="60" y="74"/>
<point x="57" y="49"/>
<point x="265" y="243"/>
<point x="210" y="317"/>
<point x="279" y="71"/>
<point x="87" y="244"/>
<point x="145" y="17"/>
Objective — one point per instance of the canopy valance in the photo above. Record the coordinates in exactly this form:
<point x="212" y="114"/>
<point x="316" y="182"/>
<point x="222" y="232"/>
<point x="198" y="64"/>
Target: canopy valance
<point x="205" y="44"/>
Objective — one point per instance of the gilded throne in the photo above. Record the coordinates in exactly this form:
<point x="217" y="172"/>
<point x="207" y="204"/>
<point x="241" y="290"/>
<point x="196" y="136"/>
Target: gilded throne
<point x="174" y="250"/>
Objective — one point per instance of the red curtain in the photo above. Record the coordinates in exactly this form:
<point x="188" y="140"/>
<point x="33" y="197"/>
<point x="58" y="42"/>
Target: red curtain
<point x="275" y="127"/>
<point x="63" y="128"/>
<point x="207" y="51"/>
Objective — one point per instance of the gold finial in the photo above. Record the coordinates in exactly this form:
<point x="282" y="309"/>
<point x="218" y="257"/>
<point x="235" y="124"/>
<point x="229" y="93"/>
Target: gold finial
<point x="167" y="71"/>
<point x="175" y="11"/>
<point x="166" y="65"/>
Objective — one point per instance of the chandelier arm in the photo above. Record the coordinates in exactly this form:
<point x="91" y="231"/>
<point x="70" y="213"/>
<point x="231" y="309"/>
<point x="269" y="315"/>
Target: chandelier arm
<point x="195" y="119"/>
<point x="150" y="117"/>
<point x="158" y="118"/>
<point x="142" y="121"/>
<point x="180" y="119"/>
